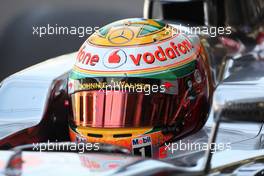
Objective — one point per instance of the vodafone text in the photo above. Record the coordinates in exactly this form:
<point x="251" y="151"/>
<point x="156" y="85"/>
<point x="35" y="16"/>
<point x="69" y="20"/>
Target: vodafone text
<point x="160" y="54"/>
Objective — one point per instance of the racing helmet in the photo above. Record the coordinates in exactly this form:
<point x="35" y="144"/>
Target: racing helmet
<point x="138" y="83"/>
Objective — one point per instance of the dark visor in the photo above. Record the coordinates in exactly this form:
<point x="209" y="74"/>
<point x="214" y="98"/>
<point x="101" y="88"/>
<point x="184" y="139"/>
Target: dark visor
<point x="123" y="105"/>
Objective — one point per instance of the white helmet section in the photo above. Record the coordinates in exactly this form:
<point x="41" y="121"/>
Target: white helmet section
<point x="172" y="52"/>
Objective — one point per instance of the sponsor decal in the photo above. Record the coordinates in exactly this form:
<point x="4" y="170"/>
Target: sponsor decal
<point x="168" y="85"/>
<point x="146" y="140"/>
<point x="124" y="86"/>
<point x="171" y="54"/>
<point x="115" y="58"/>
<point x="103" y="162"/>
<point x="121" y="36"/>
<point x="160" y="54"/>
<point x="142" y="146"/>
<point x="171" y="87"/>
<point x="70" y="86"/>
<point x="87" y="58"/>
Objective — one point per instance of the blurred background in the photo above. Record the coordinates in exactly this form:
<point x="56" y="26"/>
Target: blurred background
<point x="19" y="48"/>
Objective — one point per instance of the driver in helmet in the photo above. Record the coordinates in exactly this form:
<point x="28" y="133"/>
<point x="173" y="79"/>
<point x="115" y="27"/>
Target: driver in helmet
<point x="138" y="83"/>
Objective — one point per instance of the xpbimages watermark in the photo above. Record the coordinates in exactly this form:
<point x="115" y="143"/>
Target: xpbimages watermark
<point x="123" y="86"/>
<point x="80" y="31"/>
<point x="83" y="31"/>
<point x="170" y="87"/>
<point x="196" y="146"/>
<point x="211" y="31"/>
<point x="79" y="147"/>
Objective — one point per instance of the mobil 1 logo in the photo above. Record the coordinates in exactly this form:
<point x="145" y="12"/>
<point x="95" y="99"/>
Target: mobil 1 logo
<point x="142" y="146"/>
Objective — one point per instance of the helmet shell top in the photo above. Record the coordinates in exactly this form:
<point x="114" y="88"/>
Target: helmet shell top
<point x="137" y="48"/>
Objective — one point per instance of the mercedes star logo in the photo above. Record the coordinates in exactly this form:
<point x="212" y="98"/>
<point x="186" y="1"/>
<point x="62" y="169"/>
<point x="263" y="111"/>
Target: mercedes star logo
<point x="121" y="36"/>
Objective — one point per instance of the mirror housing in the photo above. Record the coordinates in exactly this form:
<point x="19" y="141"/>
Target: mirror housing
<point x="247" y="110"/>
<point x="240" y="97"/>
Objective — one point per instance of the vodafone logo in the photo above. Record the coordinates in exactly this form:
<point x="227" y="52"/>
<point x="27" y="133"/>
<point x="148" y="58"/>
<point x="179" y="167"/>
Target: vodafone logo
<point x="87" y="58"/>
<point x="160" y="54"/>
<point x="140" y="59"/>
<point x="115" y="58"/>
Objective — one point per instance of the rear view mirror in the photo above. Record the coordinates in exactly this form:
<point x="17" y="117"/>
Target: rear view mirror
<point x="239" y="102"/>
<point x="240" y="97"/>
